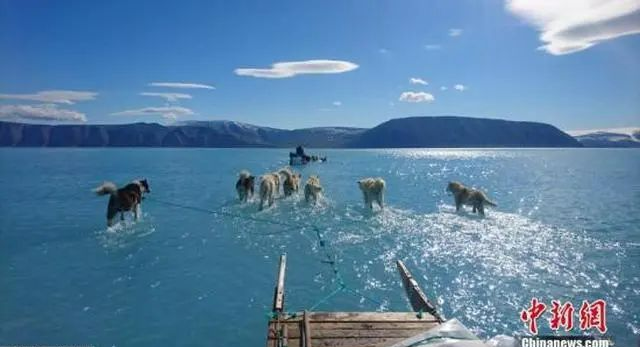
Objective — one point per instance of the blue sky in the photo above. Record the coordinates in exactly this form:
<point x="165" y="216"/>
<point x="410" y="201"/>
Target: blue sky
<point x="575" y="64"/>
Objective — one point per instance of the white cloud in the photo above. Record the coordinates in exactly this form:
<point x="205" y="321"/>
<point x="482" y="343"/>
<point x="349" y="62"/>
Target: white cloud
<point x="53" y="96"/>
<point x="170" y="97"/>
<point x="416" y="80"/>
<point x="569" y="26"/>
<point x="337" y="103"/>
<point x="292" y="68"/>
<point x="383" y="51"/>
<point x="453" y="32"/>
<point x="432" y="47"/>
<point x="181" y="85"/>
<point x="443" y="88"/>
<point x="460" y="87"/>
<point x="416" y="97"/>
<point x="40" y="112"/>
<point x="168" y="112"/>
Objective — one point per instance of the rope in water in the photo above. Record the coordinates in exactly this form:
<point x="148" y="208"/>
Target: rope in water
<point x="329" y="257"/>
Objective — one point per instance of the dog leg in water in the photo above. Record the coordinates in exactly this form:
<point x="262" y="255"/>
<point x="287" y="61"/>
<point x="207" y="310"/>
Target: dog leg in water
<point x="136" y="212"/>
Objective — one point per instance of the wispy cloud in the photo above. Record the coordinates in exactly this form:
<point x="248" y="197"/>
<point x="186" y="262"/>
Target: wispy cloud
<point x="53" y="96"/>
<point x="383" y="51"/>
<point x="181" y="85"/>
<point x="569" y="26"/>
<point x="167" y="112"/>
<point x="416" y="80"/>
<point x="432" y="47"/>
<point x="443" y="88"/>
<point x="170" y="97"/>
<point x="46" y="112"/>
<point x="416" y="97"/>
<point x="453" y="32"/>
<point x="460" y="87"/>
<point x="293" y="68"/>
<point x="337" y="103"/>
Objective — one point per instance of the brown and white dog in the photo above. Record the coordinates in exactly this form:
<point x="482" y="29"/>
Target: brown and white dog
<point x="372" y="190"/>
<point x="244" y="185"/>
<point x="269" y="185"/>
<point x="291" y="182"/>
<point x="312" y="189"/>
<point x="469" y="196"/>
<point x="127" y="198"/>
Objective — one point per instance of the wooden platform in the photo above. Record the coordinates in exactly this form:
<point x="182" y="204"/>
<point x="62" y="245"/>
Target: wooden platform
<point x="350" y="329"/>
<point x="347" y="329"/>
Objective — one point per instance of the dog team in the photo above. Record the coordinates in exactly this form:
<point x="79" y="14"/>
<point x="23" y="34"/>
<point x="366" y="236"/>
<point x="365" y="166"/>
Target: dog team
<point x="129" y="197"/>
<point x="270" y="186"/>
<point x="372" y="190"/>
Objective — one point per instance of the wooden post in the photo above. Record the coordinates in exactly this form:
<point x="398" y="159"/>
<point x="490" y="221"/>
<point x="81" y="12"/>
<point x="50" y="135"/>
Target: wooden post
<point x="307" y="330"/>
<point x="417" y="298"/>
<point x="278" y="297"/>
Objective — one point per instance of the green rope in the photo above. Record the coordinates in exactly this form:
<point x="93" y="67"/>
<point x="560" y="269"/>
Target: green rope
<point x="329" y="257"/>
<point x="326" y="298"/>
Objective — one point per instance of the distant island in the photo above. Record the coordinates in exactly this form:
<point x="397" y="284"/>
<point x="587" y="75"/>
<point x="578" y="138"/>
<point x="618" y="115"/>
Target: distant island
<point x="610" y="138"/>
<point x="428" y="132"/>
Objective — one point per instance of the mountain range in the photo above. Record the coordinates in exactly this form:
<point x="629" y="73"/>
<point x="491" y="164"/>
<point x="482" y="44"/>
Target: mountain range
<point x="443" y="131"/>
<point x="618" y="137"/>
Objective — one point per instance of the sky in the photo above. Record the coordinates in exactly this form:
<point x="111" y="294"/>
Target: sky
<point x="296" y="64"/>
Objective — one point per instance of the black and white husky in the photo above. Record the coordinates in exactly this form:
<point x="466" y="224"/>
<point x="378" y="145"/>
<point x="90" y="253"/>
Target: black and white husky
<point x="127" y="198"/>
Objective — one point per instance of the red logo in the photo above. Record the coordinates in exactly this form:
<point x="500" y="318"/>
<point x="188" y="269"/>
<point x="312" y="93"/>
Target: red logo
<point x="532" y="314"/>
<point x="561" y="315"/>
<point x="592" y="315"/>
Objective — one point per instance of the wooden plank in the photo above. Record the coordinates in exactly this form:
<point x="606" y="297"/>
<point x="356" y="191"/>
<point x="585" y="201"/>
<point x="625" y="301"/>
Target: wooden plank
<point x="285" y="336"/>
<point x="293" y="325"/>
<point x="278" y="297"/>
<point x="417" y="298"/>
<point x="369" y="316"/>
<point x="352" y="329"/>
<point x="307" y="330"/>
<point x="372" y="325"/>
<point x="361" y="333"/>
<point x="364" y="325"/>
<point x="352" y="342"/>
<point x="356" y="342"/>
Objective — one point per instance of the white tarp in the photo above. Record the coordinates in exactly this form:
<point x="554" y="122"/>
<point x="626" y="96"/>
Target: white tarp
<point x="452" y="333"/>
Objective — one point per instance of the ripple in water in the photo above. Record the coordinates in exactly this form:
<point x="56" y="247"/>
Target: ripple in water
<point x="482" y="271"/>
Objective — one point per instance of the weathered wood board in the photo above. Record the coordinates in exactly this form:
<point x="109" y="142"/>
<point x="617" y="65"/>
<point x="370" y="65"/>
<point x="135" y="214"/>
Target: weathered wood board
<point x="347" y="329"/>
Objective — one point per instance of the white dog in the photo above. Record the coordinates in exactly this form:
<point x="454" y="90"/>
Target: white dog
<point x="372" y="190"/>
<point x="268" y="189"/>
<point x="312" y="189"/>
<point x="276" y="180"/>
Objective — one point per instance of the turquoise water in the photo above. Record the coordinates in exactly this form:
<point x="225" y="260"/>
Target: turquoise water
<point x="567" y="228"/>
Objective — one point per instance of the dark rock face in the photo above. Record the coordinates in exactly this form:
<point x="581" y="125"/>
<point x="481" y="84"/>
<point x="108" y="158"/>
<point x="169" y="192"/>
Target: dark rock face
<point x="448" y="131"/>
<point x="396" y="133"/>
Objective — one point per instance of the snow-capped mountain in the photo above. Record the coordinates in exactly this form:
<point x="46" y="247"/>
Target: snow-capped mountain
<point x="614" y="137"/>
